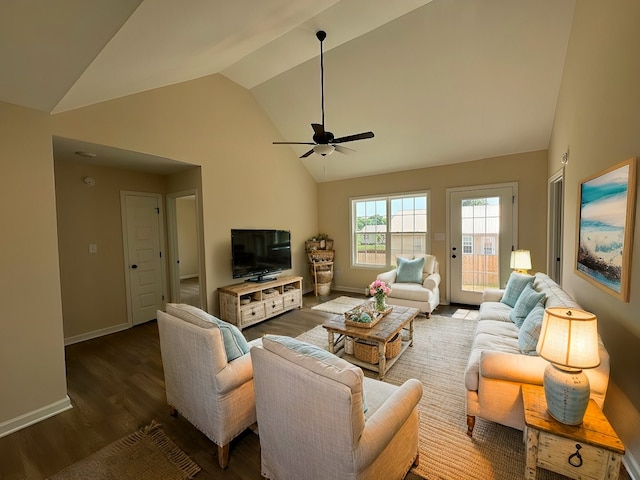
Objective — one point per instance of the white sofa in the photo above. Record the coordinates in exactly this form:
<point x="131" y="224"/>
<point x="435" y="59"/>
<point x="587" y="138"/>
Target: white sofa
<point x="424" y="296"/>
<point x="320" y="418"/>
<point x="497" y="368"/>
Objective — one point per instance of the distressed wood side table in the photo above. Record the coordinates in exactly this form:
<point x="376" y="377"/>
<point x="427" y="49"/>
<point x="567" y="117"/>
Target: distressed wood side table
<point x="591" y="450"/>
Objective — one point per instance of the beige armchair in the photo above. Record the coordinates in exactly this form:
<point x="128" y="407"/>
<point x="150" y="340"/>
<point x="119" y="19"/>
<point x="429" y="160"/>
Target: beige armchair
<point x="213" y="394"/>
<point x="311" y="416"/>
<point x="424" y="296"/>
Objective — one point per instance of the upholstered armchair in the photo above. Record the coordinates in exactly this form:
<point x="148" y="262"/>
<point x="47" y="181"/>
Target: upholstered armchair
<point x="208" y="374"/>
<point x="320" y="418"/>
<point x="414" y="284"/>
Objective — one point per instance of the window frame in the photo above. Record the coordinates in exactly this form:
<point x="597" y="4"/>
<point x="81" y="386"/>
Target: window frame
<point x="387" y="234"/>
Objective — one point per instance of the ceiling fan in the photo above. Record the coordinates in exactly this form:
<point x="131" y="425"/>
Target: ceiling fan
<point x="324" y="142"/>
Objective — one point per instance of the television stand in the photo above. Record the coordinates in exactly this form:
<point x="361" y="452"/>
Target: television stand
<point x="248" y="303"/>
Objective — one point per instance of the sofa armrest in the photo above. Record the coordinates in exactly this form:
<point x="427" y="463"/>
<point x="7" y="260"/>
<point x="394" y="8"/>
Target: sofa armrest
<point x="388" y="277"/>
<point x="383" y="425"/>
<point x="432" y="281"/>
<point x="492" y="294"/>
<point x="512" y="367"/>
<point x="236" y="373"/>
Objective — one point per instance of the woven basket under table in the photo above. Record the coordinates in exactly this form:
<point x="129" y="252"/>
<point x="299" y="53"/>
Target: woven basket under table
<point x="368" y="351"/>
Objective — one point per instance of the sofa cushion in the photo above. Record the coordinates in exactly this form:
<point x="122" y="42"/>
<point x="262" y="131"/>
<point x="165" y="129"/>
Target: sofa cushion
<point x="235" y="345"/>
<point x="515" y="286"/>
<point x="494" y="311"/>
<point x="409" y="271"/>
<point x="528" y="299"/>
<point x="411" y="291"/>
<point x="530" y="330"/>
<point x="317" y="360"/>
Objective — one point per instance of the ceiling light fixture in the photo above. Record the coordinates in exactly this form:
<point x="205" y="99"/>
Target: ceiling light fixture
<point x="324" y="149"/>
<point x="85" y="154"/>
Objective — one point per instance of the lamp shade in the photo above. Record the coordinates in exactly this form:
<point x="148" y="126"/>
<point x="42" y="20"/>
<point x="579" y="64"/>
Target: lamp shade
<point x="520" y="260"/>
<point x="324" y="149"/>
<point x="569" y="338"/>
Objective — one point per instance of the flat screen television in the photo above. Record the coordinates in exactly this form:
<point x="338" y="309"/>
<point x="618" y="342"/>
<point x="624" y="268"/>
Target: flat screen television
<point x="259" y="253"/>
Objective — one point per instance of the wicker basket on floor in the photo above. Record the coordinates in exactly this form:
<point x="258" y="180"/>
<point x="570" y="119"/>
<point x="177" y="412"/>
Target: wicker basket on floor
<point x="368" y="351"/>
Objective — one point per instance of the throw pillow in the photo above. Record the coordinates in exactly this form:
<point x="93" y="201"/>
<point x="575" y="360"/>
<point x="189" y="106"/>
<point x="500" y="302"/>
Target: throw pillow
<point x="515" y="286"/>
<point x="409" y="271"/>
<point x="528" y="299"/>
<point x="530" y="330"/>
<point x="312" y="351"/>
<point x="235" y="345"/>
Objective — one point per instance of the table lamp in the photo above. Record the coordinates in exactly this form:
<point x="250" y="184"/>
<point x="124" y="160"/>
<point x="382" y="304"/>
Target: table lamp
<point x="520" y="260"/>
<point x="569" y="341"/>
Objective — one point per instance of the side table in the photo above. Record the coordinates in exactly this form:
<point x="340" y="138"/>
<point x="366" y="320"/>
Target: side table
<point x="591" y="450"/>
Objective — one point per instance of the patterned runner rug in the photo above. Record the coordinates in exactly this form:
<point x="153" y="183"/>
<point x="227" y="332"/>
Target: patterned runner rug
<point x="146" y="454"/>
<point x="438" y="359"/>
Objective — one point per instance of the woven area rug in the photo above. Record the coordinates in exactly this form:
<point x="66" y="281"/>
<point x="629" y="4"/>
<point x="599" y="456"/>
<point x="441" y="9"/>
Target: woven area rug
<point x="147" y="454"/>
<point x="339" y="305"/>
<point x="438" y="359"/>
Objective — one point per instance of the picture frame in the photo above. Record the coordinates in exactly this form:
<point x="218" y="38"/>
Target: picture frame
<point x="606" y="217"/>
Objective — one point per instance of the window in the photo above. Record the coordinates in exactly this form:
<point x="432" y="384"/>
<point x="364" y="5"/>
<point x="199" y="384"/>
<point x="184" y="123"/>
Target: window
<point x="467" y="244"/>
<point x="385" y="227"/>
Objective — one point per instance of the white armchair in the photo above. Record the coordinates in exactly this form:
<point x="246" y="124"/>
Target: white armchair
<point x="213" y="394"/>
<point x="424" y="296"/>
<point x="311" y="415"/>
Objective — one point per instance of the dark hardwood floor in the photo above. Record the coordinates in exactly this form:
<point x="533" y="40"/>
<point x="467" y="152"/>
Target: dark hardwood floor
<point x="116" y="386"/>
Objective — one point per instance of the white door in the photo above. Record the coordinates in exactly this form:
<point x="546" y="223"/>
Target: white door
<point x="143" y="255"/>
<point x="482" y="228"/>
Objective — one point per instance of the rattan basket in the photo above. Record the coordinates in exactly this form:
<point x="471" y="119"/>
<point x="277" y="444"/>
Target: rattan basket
<point x="368" y="351"/>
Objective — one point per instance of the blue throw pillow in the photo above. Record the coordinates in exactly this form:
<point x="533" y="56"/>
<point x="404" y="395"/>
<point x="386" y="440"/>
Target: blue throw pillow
<point x="528" y="299"/>
<point x="530" y="330"/>
<point x="409" y="271"/>
<point x="235" y="345"/>
<point x="515" y="286"/>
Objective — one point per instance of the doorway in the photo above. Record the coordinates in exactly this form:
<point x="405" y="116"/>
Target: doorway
<point x="556" y="221"/>
<point x="482" y="224"/>
<point x="184" y="224"/>
<point x="142" y="230"/>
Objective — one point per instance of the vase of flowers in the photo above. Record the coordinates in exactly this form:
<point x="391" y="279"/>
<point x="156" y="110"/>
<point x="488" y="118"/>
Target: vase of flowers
<point x="379" y="290"/>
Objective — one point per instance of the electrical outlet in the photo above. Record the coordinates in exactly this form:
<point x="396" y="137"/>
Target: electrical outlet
<point x="93" y="248"/>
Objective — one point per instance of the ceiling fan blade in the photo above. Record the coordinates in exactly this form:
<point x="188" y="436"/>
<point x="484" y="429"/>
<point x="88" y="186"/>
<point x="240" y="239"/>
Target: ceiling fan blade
<point x="317" y="128"/>
<point x="345" y="150"/>
<point x="293" y="143"/>
<point x="307" y="154"/>
<point x="351" y="138"/>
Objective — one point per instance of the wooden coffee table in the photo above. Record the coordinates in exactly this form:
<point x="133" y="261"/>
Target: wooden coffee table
<point x="400" y="318"/>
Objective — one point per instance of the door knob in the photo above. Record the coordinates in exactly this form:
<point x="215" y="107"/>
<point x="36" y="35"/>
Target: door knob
<point x="134" y="266"/>
<point x="453" y="256"/>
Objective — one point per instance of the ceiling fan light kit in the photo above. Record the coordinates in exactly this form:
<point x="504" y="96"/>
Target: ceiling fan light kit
<point x="324" y="143"/>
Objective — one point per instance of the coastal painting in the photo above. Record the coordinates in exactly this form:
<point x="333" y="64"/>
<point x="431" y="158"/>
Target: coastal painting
<point x="605" y="229"/>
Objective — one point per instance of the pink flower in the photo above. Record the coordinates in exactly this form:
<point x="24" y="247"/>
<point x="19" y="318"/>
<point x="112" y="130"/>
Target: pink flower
<point x="378" y="287"/>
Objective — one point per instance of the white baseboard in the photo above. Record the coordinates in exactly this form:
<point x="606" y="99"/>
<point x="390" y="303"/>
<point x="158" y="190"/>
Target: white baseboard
<point x="23" y="421"/>
<point x="95" y="334"/>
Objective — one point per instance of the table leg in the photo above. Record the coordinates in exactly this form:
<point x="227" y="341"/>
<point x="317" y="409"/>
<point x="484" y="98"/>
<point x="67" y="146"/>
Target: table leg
<point x="411" y="333"/>
<point x="330" y="341"/>
<point x="533" y="437"/>
<point x="382" y="360"/>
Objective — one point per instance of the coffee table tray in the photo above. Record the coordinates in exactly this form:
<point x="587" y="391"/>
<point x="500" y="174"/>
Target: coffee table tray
<point x="365" y="308"/>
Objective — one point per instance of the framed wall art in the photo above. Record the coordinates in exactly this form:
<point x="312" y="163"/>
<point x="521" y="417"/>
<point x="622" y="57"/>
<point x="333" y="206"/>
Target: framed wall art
<point x="606" y="215"/>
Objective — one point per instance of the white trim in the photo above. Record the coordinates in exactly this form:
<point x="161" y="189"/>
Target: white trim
<point x="555" y="222"/>
<point x="95" y="334"/>
<point x="35" y="416"/>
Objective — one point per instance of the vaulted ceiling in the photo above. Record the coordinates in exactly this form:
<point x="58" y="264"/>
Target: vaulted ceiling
<point x="438" y="81"/>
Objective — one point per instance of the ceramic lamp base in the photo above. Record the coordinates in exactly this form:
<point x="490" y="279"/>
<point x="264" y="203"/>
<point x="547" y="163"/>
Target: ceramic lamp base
<point x="567" y="394"/>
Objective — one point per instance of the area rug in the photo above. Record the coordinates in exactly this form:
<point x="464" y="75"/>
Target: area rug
<point x="438" y="359"/>
<point x="147" y="454"/>
<point x="339" y="305"/>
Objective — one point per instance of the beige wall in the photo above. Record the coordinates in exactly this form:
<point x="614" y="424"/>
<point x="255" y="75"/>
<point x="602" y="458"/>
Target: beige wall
<point x="93" y="285"/>
<point x="212" y="122"/>
<point x="598" y="119"/>
<point x="32" y="370"/>
<point x="528" y="169"/>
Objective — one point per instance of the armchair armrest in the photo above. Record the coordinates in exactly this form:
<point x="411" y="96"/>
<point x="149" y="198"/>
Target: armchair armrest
<point x="492" y="294"/>
<point x="388" y="277"/>
<point x="382" y="426"/>
<point x="236" y="373"/>
<point x="512" y="367"/>
<point x="432" y="281"/>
